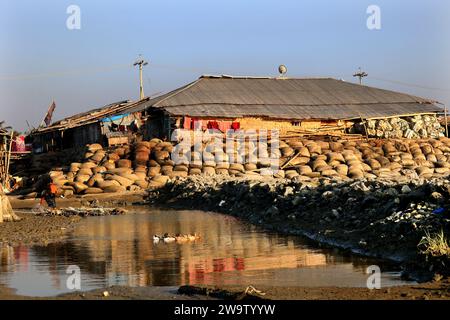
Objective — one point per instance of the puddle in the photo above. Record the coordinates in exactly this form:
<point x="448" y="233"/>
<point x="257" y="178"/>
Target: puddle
<point x="119" y="250"/>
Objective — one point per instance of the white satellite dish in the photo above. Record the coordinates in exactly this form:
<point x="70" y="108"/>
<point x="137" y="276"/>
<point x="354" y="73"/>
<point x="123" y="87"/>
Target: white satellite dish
<point x="282" y="69"/>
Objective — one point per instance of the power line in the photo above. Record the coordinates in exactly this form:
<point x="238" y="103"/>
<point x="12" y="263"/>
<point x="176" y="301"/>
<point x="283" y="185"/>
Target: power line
<point x="409" y="84"/>
<point x="66" y="73"/>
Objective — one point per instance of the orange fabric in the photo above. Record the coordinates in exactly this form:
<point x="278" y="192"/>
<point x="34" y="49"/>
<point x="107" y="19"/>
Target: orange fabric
<point x="53" y="188"/>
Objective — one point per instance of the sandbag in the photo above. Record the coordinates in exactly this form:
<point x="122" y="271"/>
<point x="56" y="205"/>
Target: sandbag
<point x="209" y="171"/>
<point x="222" y="171"/>
<point x="160" y="179"/>
<point x="109" y="165"/>
<point x="153" y="171"/>
<point x="195" y="171"/>
<point x="98" y="156"/>
<point x="181" y="168"/>
<point x="114" y="189"/>
<point x="303" y="170"/>
<point x="140" y="169"/>
<point x="82" y="178"/>
<point x="237" y="167"/>
<point x="120" y="171"/>
<point x="84" y="172"/>
<point x="92" y="191"/>
<point x="342" y="169"/>
<point x="250" y="166"/>
<point x="106" y="183"/>
<point x="142" y="183"/>
<point x="79" y="187"/>
<point x="290" y="174"/>
<point x="140" y="175"/>
<point x="99" y="169"/>
<point x="124" y="163"/>
<point x="94" y="147"/>
<point x="88" y="165"/>
<point x="123" y="181"/>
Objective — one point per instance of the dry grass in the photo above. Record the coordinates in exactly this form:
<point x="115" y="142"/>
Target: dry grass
<point x="435" y="245"/>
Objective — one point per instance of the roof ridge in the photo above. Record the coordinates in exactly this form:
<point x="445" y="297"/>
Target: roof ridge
<point x="297" y="104"/>
<point x="177" y="91"/>
<point x="226" y="76"/>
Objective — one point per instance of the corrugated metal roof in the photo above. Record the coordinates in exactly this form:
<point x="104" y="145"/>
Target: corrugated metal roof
<point x="325" y="112"/>
<point x="97" y="114"/>
<point x="286" y="98"/>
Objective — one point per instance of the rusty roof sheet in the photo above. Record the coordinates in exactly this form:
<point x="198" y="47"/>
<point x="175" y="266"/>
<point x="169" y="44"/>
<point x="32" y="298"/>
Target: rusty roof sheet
<point x="287" y="98"/>
<point x="94" y="115"/>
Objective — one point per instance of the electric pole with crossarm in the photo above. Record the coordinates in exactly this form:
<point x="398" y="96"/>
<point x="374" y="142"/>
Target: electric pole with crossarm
<point x="360" y="74"/>
<point x="141" y="63"/>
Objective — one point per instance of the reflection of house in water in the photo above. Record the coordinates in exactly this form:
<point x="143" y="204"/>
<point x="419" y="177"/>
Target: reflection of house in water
<point x="6" y="257"/>
<point x="124" y="249"/>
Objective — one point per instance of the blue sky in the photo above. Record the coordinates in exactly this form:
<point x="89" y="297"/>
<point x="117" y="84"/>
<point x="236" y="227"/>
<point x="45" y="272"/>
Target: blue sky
<point x="41" y="60"/>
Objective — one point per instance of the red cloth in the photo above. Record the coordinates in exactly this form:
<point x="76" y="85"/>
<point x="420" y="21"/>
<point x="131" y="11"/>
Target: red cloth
<point x="236" y="126"/>
<point x="224" y="126"/>
<point x="187" y="123"/>
<point x="213" y="125"/>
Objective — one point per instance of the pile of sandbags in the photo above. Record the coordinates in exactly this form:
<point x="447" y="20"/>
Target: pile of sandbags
<point x="118" y="169"/>
<point x="150" y="164"/>
<point x="217" y="157"/>
<point x="419" y="126"/>
<point x="370" y="159"/>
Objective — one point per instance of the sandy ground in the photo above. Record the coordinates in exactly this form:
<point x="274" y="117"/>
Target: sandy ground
<point x="43" y="230"/>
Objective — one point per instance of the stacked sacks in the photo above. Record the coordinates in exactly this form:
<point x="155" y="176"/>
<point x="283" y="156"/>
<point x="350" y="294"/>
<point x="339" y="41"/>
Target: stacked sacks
<point x="416" y="127"/>
<point x="150" y="164"/>
<point x="389" y="159"/>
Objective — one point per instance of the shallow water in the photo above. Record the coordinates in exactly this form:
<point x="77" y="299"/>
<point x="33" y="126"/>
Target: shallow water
<point x="119" y="250"/>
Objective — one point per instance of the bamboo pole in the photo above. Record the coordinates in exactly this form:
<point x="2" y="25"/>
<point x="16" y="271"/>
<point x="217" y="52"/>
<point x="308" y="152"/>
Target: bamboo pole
<point x="290" y="160"/>
<point x="9" y="157"/>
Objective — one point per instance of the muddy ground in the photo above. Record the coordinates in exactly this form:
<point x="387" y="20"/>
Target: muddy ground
<point x="42" y="230"/>
<point x="427" y="291"/>
<point x="34" y="230"/>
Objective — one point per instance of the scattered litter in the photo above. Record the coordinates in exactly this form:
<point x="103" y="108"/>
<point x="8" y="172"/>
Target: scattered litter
<point x="250" y="290"/>
<point x="83" y="212"/>
<point x="439" y="211"/>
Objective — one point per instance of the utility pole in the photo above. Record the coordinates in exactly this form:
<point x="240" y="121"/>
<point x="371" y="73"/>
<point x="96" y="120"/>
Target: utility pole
<point x="141" y="63"/>
<point x="360" y="74"/>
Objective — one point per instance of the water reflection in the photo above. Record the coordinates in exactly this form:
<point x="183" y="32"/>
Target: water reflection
<point x="120" y="251"/>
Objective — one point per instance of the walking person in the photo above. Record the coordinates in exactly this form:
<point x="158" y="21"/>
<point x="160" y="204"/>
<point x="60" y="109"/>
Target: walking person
<point x="49" y="195"/>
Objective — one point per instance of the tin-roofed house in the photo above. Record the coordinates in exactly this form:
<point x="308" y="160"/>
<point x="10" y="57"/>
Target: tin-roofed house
<point x="310" y="105"/>
<point x="110" y="125"/>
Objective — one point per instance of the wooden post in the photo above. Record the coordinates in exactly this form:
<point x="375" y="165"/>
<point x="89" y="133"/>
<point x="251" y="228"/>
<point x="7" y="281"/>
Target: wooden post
<point x="446" y="121"/>
<point x="365" y="128"/>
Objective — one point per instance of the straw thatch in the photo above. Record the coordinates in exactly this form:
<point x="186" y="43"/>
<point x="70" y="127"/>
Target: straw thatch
<point x="6" y="211"/>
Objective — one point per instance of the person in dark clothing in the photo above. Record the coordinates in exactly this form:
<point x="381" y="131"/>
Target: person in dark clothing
<point x="49" y="195"/>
